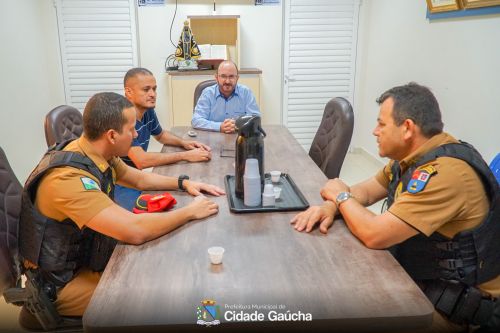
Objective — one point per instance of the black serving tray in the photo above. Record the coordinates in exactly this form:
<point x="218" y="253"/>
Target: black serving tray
<point x="290" y="199"/>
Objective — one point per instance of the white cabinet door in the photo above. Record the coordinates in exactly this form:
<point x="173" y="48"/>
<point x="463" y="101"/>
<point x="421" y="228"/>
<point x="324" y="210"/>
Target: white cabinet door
<point x="98" y="45"/>
<point x="319" y="61"/>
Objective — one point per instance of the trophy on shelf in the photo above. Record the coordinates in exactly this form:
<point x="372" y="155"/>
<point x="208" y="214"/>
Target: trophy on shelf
<point x="187" y="50"/>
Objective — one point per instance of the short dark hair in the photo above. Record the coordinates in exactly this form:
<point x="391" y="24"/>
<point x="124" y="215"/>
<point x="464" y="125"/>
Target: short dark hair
<point x="134" y="72"/>
<point x="104" y="111"/>
<point x="415" y="102"/>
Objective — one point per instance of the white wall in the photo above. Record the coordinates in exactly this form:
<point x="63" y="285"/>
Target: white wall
<point x="457" y="58"/>
<point x="30" y="80"/>
<point x="261" y="45"/>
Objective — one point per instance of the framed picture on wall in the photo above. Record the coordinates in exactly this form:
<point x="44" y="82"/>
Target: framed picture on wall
<point x="479" y="3"/>
<point x="437" y="6"/>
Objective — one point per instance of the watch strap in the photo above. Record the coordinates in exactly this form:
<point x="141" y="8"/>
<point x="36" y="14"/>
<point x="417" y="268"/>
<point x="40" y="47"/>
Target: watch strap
<point x="180" y="180"/>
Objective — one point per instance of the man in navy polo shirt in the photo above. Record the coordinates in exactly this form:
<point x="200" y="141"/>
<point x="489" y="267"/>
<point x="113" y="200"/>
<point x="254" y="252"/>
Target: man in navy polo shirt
<point x="140" y="89"/>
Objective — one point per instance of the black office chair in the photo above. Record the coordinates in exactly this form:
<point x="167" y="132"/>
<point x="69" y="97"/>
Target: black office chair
<point x="199" y="89"/>
<point x="63" y="123"/>
<point x="10" y="266"/>
<point x="10" y="207"/>
<point x="333" y="137"/>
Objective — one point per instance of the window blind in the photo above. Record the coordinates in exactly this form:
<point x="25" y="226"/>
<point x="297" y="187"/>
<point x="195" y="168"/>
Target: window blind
<point x="98" y="45"/>
<point x="320" y="55"/>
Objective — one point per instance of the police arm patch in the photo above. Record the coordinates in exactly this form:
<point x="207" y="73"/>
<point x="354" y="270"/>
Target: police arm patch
<point x="419" y="179"/>
<point x="89" y="184"/>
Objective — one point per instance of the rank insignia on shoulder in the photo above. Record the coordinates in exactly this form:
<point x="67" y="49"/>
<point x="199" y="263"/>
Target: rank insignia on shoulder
<point x="419" y="179"/>
<point x="89" y="184"/>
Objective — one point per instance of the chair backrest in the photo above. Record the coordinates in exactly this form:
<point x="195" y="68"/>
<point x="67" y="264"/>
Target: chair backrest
<point x="333" y="137"/>
<point x="495" y="167"/>
<point x="199" y="89"/>
<point x="63" y="123"/>
<point x="10" y="208"/>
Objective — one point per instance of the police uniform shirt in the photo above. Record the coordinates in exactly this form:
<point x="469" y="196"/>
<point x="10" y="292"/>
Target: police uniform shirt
<point x="69" y="192"/>
<point x="452" y="200"/>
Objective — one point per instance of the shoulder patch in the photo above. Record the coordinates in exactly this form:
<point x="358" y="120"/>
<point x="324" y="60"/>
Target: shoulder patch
<point x="419" y="179"/>
<point x="89" y="184"/>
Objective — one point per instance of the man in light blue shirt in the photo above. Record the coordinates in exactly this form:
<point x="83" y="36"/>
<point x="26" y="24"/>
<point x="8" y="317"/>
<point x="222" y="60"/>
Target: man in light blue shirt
<point x="220" y="104"/>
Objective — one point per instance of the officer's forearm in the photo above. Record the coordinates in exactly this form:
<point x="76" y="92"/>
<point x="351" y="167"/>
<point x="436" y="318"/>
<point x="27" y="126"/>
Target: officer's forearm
<point x="360" y="222"/>
<point x="122" y="225"/>
<point x="361" y="195"/>
<point x="151" y="226"/>
<point x="154" y="182"/>
<point x="375" y="231"/>
<point x="368" y="192"/>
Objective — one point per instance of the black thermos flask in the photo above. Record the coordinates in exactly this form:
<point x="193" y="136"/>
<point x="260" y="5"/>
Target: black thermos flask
<point x="249" y="144"/>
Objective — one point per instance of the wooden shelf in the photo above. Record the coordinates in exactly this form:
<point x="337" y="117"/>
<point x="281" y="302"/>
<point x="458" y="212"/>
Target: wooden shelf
<point x="218" y="30"/>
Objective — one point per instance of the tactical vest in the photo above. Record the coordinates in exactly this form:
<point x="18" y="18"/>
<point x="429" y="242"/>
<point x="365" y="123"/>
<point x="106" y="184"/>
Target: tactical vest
<point x="448" y="270"/>
<point x="471" y="257"/>
<point x="60" y="248"/>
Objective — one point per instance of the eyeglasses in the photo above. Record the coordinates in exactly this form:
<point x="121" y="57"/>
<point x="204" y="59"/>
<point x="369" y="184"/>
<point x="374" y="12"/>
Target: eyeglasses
<point x="228" y="77"/>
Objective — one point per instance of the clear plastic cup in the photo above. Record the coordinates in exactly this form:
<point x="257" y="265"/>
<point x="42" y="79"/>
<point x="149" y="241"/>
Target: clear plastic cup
<point x="268" y="198"/>
<point x="277" y="192"/>
<point x="275" y="176"/>
<point x="215" y="254"/>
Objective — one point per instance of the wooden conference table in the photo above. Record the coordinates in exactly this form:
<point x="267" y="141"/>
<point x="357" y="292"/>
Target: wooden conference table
<point x="267" y="266"/>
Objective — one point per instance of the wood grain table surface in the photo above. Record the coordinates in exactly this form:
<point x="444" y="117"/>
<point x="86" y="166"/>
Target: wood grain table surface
<point x="267" y="265"/>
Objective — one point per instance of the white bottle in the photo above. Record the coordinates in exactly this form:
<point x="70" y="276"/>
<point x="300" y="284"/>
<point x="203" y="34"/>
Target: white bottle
<point x="268" y="198"/>
<point x="251" y="183"/>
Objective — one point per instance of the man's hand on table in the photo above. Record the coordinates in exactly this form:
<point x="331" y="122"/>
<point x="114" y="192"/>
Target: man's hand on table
<point x="197" y="155"/>
<point x="190" y="145"/>
<point x="195" y="188"/>
<point x="202" y="207"/>
<point x="332" y="189"/>
<point x="228" y="126"/>
<point x="308" y="219"/>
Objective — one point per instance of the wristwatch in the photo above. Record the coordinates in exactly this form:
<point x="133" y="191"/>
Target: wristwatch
<point x="343" y="196"/>
<point x="179" y="182"/>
